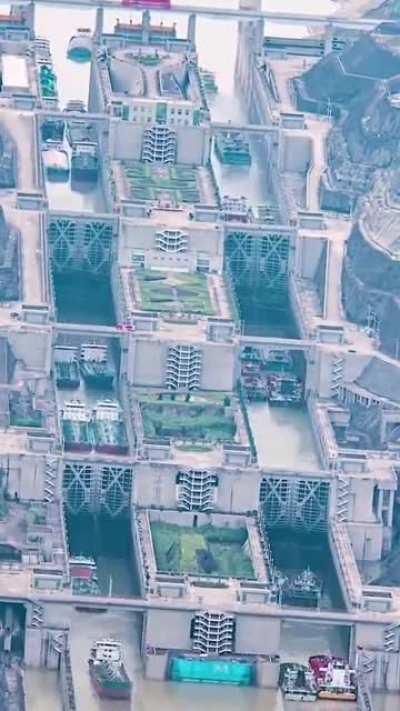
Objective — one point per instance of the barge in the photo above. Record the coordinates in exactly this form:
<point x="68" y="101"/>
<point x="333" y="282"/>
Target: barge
<point x="109" y="429"/>
<point x="232" y="148"/>
<point x="95" y="367"/>
<point x="297" y="682"/>
<point x="304" y="589"/>
<point x="107" y="670"/>
<point x="334" y="678"/>
<point x="75" y="420"/>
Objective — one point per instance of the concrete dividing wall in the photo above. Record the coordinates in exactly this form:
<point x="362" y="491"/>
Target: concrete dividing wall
<point x="312" y="248"/>
<point x="295" y="154"/>
<point x="168" y="629"/>
<point x="256" y="635"/>
<point x="66" y="682"/>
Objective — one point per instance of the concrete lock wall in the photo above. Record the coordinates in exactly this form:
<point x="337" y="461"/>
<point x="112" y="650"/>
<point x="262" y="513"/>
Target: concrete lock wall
<point x="238" y="490"/>
<point x="218" y="369"/>
<point x="168" y="629"/>
<point x="204" y="238"/>
<point x="295" y="154"/>
<point x="32" y="347"/>
<point x="155" y="482"/>
<point x="366" y="540"/>
<point x="149" y="362"/>
<point x="257" y="635"/>
<point x="27" y="478"/>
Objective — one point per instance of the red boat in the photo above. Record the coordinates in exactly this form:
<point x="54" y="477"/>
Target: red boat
<point x="147" y="4"/>
<point x="334" y="678"/>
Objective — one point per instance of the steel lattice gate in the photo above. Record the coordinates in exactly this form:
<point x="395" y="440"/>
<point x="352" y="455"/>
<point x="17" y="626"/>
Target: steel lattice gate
<point x="295" y="503"/>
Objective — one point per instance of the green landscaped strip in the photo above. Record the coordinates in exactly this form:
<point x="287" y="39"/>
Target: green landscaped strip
<point x="183" y="550"/>
<point x="206" y="422"/>
<point x="147" y="182"/>
<point x="182" y="293"/>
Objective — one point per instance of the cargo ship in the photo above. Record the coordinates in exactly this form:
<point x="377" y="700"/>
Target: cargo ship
<point x="83" y="572"/>
<point x="67" y="375"/>
<point x="67" y="368"/>
<point x="232" y="148"/>
<point x="80" y="46"/>
<point x="56" y="162"/>
<point x="304" y="589"/>
<point x="75" y="420"/>
<point x="297" y="682"/>
<point x="109" y="429"/>
<point x="334" y="678"/>
<point x="85" y="162"/>
<point x="95" y="367"/>
<point x="284" y="389"/>
<point x="107" y="670"/>
<point x="79" y="132"/>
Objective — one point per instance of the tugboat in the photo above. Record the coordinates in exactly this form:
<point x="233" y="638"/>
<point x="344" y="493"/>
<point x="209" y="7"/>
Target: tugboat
<point x="107" y="670"/>
<point x="304" y="589"/>
<point x="80" y="46"/>
<point x="232" y="148"/>
<point x="297" y="682"/>
<point x="95" y="367"/>
<point x="334" y="678"/>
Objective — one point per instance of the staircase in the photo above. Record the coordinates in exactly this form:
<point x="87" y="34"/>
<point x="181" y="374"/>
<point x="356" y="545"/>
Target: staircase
<point x="391" y="637"/>
<point x="342" y="498"/>
<point x="365" y="667"/>
<point x="50" y="479"/>
<point x="336" y="374"/>
<point x="57" y="641"/>
<point x="37" y="615"/>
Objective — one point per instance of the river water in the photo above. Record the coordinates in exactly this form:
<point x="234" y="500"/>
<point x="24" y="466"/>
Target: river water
<point x="283" y="437"/>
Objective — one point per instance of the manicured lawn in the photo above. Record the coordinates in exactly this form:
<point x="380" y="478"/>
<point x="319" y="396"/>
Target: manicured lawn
<point x="206" y="550"/>
<point x="177" y="292"/>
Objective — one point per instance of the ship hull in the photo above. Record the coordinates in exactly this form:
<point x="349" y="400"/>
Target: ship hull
<point x="337" y="695"/>
<point x="112" y="449"/>
<point x="77" y="447"/>
<point x="68" y="383"/>
<point x="84" y="174"/>
<point x="232" y="159"/>
<point x="299" y="695"/>
<point x="98" y="381"/>
<point x="124" y="692"/>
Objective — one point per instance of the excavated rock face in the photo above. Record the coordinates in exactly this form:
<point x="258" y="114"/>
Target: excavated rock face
<point x="372" y="127"/>
<point x="371" y="284"/>
<point x="361" y="84"/>
<point x="340" y="78"/>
